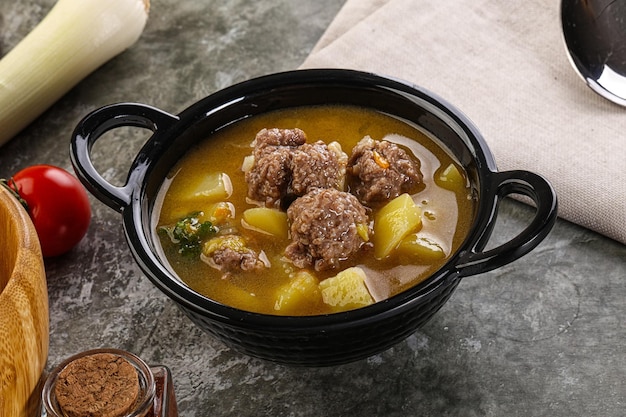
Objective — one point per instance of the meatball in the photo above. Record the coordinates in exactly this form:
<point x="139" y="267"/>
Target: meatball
<point x="279" y="137"/>
<point x="285" y="167"/>
<point x="270" y="174"/>
<point x="269" y="177"/>
<point x="327" y="226"/>
<point x="230" y="253"/>
<point x="313" y="166"/>
<point x="381" y="170"/>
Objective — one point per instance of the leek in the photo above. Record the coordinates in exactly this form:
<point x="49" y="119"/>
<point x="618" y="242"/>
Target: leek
<point x="75" y="38"/>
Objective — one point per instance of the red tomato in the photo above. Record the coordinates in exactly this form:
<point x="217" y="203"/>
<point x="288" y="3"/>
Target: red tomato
<point x="58" y="205"/>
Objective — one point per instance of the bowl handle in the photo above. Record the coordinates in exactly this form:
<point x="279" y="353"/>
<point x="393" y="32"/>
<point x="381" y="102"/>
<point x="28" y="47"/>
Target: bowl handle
<point x="93" y="126"/>
<point x="475" y="260"/>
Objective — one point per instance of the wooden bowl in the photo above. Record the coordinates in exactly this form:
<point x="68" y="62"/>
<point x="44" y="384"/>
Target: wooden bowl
<point x="23" y="311"/>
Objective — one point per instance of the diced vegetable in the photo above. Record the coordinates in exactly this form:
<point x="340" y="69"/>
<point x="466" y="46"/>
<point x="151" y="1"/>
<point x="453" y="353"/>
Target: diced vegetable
<point x="380" y="160"/>
<point x="248" y="163"/>
<point x="451" y="178"/>
<point x="421" y="249"/>
<point x="267" y="220"/>
<point x="393" y="223"/>
<point x="221" y="212"/>
<point x="301" y="292"/>
<point x="346" y="290"/>
<point x="74" y="39"/>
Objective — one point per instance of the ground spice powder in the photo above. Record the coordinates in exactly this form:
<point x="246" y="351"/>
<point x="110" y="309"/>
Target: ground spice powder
<point x="99" y="385"/>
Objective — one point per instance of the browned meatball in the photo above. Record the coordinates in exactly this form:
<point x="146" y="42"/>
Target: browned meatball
<point x="285" y="167"/>
<point x="270" y="175"/>
<point x="327" y="226"/>
<point x="279" y="137"/>
<point x="381" y="170"/>
<point x="313" y="166"/>
<point x="230" y="253"/>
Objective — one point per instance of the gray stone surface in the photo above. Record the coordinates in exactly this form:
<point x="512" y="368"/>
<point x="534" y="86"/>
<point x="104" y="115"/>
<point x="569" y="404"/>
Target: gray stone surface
<point x="543" y="336"/>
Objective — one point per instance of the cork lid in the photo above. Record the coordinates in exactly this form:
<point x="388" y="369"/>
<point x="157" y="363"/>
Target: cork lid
<point x="100" y="384"/>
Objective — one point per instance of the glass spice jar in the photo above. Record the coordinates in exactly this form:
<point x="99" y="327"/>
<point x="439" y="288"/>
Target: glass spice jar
<point x="108" y="383"/>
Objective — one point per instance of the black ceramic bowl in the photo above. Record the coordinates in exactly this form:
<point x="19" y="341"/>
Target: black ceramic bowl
<point x="317" y="340"/>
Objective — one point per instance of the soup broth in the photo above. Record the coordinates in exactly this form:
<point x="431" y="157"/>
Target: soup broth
<point x="209" y="183"/>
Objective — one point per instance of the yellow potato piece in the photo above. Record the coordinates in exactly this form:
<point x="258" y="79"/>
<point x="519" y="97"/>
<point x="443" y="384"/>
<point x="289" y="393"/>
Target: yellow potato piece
<point x="213" y="187"/>
<point x="393" y="223"/>
<point x="363" y="231"/>
<point x="346" y="290"/>
<point x="268" y="220"/>
<point x="451" y="178"/>
<point x="421" y="249"/>
<point x="300" y="293"/>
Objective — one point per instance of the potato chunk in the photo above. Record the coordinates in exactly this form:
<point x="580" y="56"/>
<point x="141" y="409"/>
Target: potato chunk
<point x="421" y="249"/>
<point x="393" y="223"/>
<point x="300" y="293"/>
<point x="451" y="178"/>
<point x="346" y="290"/>
<point x="268" y="220"/>
<point x="213" y="187"/>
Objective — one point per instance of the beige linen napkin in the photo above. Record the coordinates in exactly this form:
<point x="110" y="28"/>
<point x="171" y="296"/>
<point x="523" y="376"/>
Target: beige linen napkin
<point x="504" y="65"/>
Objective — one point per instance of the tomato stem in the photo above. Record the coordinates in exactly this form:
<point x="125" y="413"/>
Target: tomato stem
<point x="12" y="187"/>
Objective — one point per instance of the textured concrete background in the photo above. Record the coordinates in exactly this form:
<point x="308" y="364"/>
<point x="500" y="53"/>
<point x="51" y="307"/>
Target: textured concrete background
<point x="543" y="336"/>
